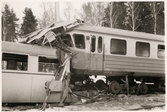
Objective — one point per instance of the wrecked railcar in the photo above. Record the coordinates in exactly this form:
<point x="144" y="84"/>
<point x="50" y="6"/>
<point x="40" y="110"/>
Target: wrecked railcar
<point x="124" y="57"/>
<point x="25" y="71"/>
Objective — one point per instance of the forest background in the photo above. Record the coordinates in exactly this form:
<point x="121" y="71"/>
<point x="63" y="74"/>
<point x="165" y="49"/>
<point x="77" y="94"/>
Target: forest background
<point x="145" y="17"/>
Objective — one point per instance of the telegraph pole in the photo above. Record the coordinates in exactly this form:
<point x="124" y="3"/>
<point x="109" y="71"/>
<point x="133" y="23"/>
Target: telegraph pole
<point x="57" y="12"/>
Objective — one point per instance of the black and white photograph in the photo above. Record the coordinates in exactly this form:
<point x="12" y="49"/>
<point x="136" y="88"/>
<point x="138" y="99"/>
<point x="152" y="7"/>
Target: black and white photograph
<point x="83" y="55"/>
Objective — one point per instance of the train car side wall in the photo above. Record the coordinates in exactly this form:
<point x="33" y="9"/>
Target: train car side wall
<point x="129" y="62"/>
<point x="148" y="63"/>
<point x="25" y="72"/>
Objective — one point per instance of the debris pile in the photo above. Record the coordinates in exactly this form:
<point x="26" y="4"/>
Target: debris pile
<point x="102" y="102"/>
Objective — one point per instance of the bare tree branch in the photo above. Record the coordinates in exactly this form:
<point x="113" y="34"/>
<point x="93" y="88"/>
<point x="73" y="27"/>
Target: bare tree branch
<point x="130" y="25"/>
<point x="160" y="7"/>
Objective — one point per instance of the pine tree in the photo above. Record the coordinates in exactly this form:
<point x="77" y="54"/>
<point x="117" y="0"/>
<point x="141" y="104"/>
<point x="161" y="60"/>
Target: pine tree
<point x="9" y="24"/>
<point x="29" y="22"/>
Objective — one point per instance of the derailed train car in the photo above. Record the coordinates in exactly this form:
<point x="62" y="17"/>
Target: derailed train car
<point x="124" y="57"/>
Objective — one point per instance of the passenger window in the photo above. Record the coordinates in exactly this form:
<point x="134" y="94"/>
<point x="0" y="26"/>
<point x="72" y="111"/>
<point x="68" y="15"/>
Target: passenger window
<point x="100" y="44"/>
<point x="142" y="49"/>
<point x="118" y="46"/>
<point x="79" y="41"/>
<point x="14" y="61"/>
<point x="161" y="51"/>
<point x="47" y="65"/>
<point x="67" y="40"/>
<point x="93" y="44"/>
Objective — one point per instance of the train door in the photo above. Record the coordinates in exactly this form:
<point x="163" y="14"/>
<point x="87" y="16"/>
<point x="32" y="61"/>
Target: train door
<point x="96" y="53"/>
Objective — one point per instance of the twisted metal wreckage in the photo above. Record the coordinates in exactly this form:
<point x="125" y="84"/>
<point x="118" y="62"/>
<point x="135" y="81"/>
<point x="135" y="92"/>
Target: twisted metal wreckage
<point x="51" y="36"/>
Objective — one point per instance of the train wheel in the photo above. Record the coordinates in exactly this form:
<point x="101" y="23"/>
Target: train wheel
<point x="99" y="84"/>
<point x="114" y="87"/>
<point x="143" y="89"/>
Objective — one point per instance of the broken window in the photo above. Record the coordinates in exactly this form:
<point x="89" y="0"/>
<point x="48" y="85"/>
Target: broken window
<point x="79" y="41"/>
<point x="67" y="40"/>
<point x="118" y="46"/>
<point x="100" y="44"/>
<point x="93" y="44"/>
<point x="14" y="61"/>
<point x="142" y="49"/>
<point x="161" y="51"/>
<point x="47" y="64"/>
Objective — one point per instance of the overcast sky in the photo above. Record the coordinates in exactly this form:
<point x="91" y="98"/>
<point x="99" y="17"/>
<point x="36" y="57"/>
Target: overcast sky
<point x="19" y="7"/>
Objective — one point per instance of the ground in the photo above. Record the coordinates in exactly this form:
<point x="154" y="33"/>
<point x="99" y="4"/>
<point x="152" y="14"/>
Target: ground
<point x="105" y="102"/>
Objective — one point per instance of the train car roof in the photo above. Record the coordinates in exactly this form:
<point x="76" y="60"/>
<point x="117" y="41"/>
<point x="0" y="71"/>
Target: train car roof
<point x="119" y="32"/>
<point x="73" y="25"/>
<point x="28" y="49"/>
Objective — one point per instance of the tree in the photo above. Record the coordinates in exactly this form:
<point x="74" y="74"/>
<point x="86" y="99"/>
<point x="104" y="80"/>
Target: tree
<point x="133" y="18"/>
<point x="108" y="20"/>
<point x="93" y="13"/>
<point x="87" y="12"/>
<point x="9" y="24"/>
<point x="48" y="14"/>
<point x="161" y="22"/>
<point x="146" y="20"/>
<point x="136" y="16"/>
<point x="156" y="9"/>
<point x="29" y="22"/>
<point x="114" y="15"/>
<point x="68" y="11"/>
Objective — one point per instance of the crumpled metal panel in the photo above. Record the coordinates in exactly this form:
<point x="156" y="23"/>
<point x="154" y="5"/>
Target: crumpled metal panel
<point x="57" y="28"/>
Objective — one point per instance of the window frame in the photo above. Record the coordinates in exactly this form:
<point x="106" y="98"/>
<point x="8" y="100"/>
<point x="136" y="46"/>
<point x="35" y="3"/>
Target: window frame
<point x="158" y="51"/>
<point x="94" y="45"/>
<point x="148" y="48"/>
<point x="84" y="47"/>
<point x="56" y="64"/>
<point x="16" y="61"/>
<point x="118" y="39"/>
<point x="100" y="47"/>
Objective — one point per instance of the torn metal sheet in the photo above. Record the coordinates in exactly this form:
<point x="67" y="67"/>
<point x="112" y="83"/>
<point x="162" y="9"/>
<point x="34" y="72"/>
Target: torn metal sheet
<point x="57" y="28"/>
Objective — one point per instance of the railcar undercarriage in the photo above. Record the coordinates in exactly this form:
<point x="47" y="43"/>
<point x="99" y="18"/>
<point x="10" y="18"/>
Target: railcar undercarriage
<point x="118" y="85"/>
